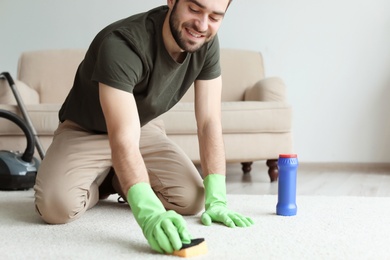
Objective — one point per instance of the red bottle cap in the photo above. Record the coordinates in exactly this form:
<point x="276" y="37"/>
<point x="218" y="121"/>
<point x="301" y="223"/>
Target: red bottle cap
<point x="288" y="156"/>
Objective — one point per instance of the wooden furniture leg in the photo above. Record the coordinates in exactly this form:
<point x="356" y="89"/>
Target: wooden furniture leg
<point x="273" y="170"/>
<point x="246" y="167"/>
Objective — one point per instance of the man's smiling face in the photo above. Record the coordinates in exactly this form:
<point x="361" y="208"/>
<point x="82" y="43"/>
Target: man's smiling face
<point x="195" y="22"/>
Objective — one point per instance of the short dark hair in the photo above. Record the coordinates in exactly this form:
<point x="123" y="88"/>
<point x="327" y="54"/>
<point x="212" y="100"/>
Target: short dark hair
<point x="230" y="1"/>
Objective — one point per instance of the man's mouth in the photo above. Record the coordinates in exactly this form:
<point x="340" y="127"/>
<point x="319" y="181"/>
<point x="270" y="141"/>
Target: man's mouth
<point x="194" y="34"/>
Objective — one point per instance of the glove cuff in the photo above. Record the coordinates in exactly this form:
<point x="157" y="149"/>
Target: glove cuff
<point x="215" y="190"/>
<point x="143" y="202"/>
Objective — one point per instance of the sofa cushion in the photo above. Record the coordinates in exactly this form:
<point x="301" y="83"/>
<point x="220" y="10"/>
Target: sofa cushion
<point x="28" y="95"/>
<point x="44" y="117"/>
<point x="237" y="118"/>
<point x="50" y="72"/>
<point x="240" y="70"/>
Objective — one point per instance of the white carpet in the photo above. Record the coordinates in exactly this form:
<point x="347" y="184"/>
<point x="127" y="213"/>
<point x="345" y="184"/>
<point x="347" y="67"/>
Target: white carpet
<point x="324" y="228"/>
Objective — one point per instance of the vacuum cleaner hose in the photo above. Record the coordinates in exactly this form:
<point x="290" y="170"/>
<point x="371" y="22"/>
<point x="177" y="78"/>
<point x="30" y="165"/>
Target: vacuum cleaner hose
<point x="23" y="110"/>
<point x="29" y="152"/>
<point x="8" y="78"/>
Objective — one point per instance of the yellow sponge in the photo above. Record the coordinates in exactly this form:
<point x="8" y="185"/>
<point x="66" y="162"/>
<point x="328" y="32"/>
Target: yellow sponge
<point x="196" y="247"/>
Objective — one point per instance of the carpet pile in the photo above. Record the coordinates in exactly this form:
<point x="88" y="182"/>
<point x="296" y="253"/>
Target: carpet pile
<point x="324" y="228"/>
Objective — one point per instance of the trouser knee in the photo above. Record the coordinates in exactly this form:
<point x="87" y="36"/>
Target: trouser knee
<point x="184" y="200"/>
<point x="56" y="208"/>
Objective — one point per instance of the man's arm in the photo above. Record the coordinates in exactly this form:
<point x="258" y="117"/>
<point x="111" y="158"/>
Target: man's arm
<point x="212" y="154"/>
<point x="208" y="117"/>
<point x="165" y="230"/>
<point x="124" y="130"/>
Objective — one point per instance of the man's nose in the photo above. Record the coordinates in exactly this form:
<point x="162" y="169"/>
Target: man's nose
<point x="202" y="23"/>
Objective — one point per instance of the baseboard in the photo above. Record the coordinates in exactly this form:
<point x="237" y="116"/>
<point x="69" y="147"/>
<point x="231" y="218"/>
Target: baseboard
<point x="345" y="166"/>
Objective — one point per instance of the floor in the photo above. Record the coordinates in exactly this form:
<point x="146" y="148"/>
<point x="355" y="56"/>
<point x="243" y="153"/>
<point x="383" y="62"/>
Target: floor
<point x="372" y="180"/>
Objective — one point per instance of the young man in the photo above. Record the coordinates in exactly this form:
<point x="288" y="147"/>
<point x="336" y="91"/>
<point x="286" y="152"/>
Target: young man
<point x="135" y="70"/>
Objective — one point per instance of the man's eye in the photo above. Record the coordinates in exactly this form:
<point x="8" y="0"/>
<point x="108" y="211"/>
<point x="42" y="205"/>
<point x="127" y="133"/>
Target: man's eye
<point x="214" y="19"/>
<point x="194" y="11"/>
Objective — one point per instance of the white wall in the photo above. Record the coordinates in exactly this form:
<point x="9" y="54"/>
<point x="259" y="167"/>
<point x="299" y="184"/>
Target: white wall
<point x="334" y="56"/>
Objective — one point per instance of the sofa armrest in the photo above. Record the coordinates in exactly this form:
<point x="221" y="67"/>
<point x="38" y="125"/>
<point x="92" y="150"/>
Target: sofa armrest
<point x="268" y="89"/>
<point x="28" y="95"/>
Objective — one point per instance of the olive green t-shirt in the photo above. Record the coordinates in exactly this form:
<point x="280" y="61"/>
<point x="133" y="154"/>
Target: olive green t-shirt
<point x="130" y="55"/>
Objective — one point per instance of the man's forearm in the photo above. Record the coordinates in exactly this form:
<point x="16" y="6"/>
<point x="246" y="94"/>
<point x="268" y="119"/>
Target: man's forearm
<point x="212" y="150"/>
<point x="124" y="133"/>
<point x="128" y="164"/>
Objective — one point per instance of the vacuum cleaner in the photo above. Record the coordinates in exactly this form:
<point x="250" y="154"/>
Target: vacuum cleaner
<point x="18" y="170"/>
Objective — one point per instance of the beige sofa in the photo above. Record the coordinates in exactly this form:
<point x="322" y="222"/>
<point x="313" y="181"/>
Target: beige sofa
<point x="256" y="118"/>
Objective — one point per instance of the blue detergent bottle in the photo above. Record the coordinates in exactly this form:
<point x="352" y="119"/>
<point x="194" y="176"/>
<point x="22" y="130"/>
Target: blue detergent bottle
<point x="287" y="185"/>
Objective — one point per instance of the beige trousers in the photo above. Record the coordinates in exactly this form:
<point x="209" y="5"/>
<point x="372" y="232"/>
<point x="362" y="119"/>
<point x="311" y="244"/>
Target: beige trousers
<point x="78" y="161"/>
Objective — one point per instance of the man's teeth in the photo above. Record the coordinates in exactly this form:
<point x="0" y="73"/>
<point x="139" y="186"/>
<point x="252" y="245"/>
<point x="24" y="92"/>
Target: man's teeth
<point x="194" y="34"/>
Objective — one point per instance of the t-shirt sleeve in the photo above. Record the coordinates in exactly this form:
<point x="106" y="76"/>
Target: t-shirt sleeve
<point x="117" y="65"/>
<point x="211" y="68"/>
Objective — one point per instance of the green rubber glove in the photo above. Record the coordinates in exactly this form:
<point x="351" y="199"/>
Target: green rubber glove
<point x="165" y="231"/>
<point x="216" y="208"/>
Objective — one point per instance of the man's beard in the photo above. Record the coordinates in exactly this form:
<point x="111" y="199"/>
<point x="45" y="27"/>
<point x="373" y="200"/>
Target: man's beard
<point x="186" y="45"/>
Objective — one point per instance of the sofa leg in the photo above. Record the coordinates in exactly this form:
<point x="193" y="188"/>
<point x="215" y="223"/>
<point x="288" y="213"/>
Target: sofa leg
<point x="273" y="170"/>
<point x="246" y="167"/>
